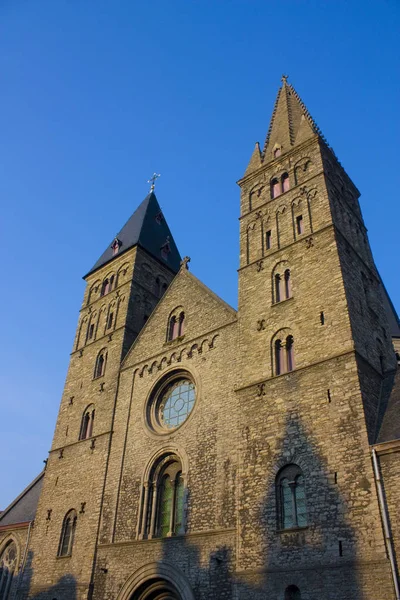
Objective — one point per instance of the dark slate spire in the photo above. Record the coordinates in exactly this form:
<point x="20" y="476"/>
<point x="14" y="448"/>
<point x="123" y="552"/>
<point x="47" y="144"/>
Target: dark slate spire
<point x="147" y="228"/>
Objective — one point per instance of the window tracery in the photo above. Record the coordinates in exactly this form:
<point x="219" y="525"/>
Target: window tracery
<point x="8" y="566"/>
<point x="171" y="403"/>
<point x="163" y="496"/>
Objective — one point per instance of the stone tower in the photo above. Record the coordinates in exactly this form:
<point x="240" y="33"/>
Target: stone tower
<point x="122" y="290"/>
<point x="207" y="453"/>
<point x="317" y="362"/>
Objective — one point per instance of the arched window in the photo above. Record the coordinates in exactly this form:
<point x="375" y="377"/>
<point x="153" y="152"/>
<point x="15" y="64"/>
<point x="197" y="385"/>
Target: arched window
<point x="87" y="423"/>
<point x="278" y="357"/>
<point x="278" y="291"/>
<point x="284" y="355"/>
<point x="275" y="188"/>
<point x="100" y="366"/>
<point x="282" y="286"/>
<point x="291" y="498"/>
<point x="292" y="592"/>
<point x="288" y="284"/>
<point x="105" y="288"/>
<point x="67" y="534"/>
<point x="8" y="566"/>
<point x="285" y="182"/>
<point x="163" y="500"/>
<point x="107" y="285"/>
<point x="277" y="152"/>
<point x="289" y="353"/>
<point x="176" y="326"/>
<point x="90" y="331"/>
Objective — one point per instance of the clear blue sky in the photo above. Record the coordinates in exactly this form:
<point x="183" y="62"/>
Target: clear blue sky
<point x="98" y="94"/>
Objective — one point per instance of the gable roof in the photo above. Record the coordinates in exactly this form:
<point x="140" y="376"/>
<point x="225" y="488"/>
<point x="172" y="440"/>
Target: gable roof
<point x="147" y="228"/>
<point x="23" y="508"/>
<point x="183" y="272"/>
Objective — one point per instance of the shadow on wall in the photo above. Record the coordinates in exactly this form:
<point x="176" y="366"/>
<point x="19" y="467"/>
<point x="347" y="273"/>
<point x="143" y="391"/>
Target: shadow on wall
<point x="278" y="559"/>
<point x="64" y="589"/>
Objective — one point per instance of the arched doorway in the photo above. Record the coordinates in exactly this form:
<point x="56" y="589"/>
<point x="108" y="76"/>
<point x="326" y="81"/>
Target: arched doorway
<point x="157" y="589"/>
<point x="157" y="581"/>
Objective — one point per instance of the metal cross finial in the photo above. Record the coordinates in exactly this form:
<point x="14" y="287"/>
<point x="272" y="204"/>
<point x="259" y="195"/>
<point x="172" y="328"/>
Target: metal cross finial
<point x="284" y="79"/>
<point x="153" y="180"/>
<point x="185" y="262"/>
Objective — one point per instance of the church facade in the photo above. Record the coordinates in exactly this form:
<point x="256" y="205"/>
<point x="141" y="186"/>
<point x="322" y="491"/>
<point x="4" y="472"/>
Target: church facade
<point x="202" y="452"/>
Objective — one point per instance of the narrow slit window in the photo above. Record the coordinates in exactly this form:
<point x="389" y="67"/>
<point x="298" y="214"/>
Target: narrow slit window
<point x="268" y="240"/>
<point x="299" y="225"/>
<point x="110" y="320"/>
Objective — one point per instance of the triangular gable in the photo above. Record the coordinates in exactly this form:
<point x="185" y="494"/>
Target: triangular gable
<point x="204" y="311"/>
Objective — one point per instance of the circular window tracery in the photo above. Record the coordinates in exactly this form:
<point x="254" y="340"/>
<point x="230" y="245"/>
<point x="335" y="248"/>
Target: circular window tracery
<point x="171" y="403"/>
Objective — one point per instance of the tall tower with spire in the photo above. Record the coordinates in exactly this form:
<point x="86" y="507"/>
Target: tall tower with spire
<point x="204" y="453"/>
<point x="317" y="362"/>
<point x="122" y="289"/>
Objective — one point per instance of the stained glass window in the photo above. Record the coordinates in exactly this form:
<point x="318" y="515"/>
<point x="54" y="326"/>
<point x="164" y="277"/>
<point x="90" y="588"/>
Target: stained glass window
<point x="300" y="501"/>
<point x="179" y="495"/>
<point x="176" y="403"/>
<point x="166" y="500"/>
<point x="287" y="505"/>
<point x="291" y="498"/>
<point x="8" y="564"/>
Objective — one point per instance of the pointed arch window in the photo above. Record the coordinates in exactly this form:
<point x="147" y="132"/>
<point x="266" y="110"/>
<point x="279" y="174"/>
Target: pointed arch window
<point x="284" y="355"/>
<point x="291" y="498"/>
<point x="8" y="566"/>
<point x="163" y="500"/>
<point x="87" y="423"/>
<point x="100" y="365"/>
<point x="67" y="534"/>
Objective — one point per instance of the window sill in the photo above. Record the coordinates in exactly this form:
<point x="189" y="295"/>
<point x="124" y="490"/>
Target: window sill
<point x="60" y="557"/>
<point x="177" y="339"/>
<point x="292" y="530"/>
<point x="282" y="301"/>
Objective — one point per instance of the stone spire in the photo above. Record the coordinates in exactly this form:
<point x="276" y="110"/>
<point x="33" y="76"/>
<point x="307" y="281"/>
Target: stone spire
<point x="291" y="124"/>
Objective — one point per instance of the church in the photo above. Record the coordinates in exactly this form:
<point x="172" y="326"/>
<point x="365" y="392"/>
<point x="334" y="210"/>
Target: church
<point x="202" y="452"/>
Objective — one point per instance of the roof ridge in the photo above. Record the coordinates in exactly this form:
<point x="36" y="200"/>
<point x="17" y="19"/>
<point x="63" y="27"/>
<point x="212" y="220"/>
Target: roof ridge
<point x="289" y="114"/>
<point x="309" y="118"/>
